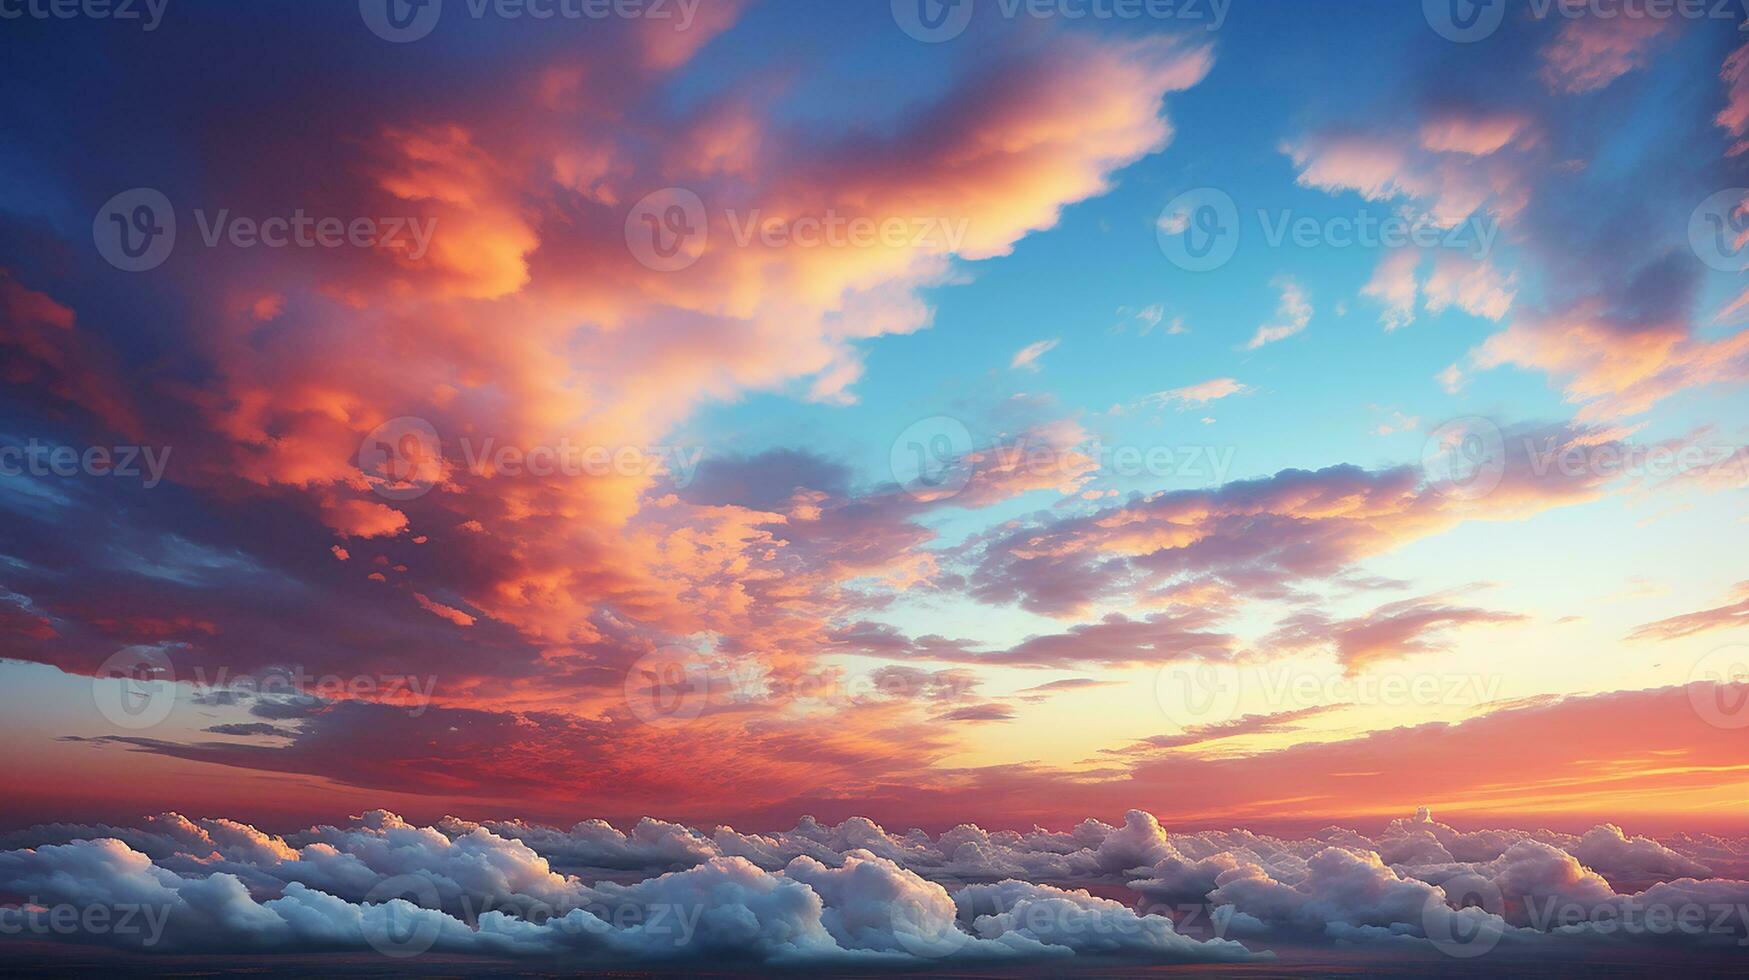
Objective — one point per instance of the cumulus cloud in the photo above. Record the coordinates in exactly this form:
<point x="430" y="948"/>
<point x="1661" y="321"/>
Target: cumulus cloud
<point x="846" y="895"/>
<point x="475" y="892"/>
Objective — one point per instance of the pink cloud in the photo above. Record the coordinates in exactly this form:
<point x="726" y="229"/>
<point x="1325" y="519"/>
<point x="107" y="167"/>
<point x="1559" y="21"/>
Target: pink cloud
<point x="1590" y="52"/>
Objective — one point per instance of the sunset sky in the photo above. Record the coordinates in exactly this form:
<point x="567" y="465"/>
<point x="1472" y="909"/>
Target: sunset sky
<point x="740" y="411"/>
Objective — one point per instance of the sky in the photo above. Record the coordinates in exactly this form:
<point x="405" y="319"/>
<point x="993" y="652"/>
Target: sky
<point x="1267" y="414"/>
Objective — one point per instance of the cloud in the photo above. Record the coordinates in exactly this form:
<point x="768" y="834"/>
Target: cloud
<point x="1729" y="616"/>
<point x="1026" y="359"/>
<point x="1390" y="632"/>
<point x="1734" y="117"/>
<point x="1609" y="317"/>
<point x="1253" y="537"/>
<point x="481" y="894"/>
<point x="850" y="895"/>
<point x="1590" y="52"/>
<point x="980" y="712"/>
<point x="1292" y="313"/>
<point x="1394" y="286"/>
<point x="1201" y="393"/>
<point x="530" y="165"/>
